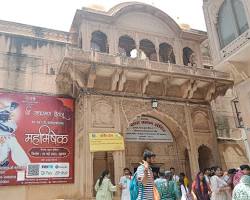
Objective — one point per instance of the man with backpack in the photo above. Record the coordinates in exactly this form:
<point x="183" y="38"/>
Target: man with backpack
<point x="142" y="183"/>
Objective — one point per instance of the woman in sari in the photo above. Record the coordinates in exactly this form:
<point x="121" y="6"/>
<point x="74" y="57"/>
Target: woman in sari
<point x="200" y="188"/>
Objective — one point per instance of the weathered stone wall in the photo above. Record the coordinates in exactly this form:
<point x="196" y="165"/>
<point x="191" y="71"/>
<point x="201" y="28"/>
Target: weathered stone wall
<point x="231" y="147"/>
<point x="30" y="64"/>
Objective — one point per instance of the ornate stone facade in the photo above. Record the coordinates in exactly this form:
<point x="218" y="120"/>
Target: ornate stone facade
<point x="112" y="87"/>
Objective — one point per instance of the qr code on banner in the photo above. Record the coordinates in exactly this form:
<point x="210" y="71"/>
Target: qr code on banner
<point x="33" y="170"/>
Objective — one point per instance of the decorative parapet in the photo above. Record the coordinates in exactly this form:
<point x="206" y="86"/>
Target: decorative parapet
<point x="34" y="31"/>
<point x="96" y="57"/>
<point x="236" y="44"/>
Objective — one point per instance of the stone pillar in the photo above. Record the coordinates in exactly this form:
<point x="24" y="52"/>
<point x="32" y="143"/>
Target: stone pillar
<point x="87" y="159"/>
<point x="192" y="151"/>
<point x="113" y="42"/>
<point x="178" y="52"/>
<point x="157" y="48"/>
<point x="118" y="156"/>
<point x="119" y="164"/>
<point x="137" y="44"/>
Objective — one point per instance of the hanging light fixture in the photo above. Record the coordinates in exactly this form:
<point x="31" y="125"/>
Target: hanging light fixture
<point x="154" y="103"/>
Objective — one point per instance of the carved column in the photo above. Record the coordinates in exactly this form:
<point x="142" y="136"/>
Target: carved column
<point x="193" y="154"/>
<point x="137" y="43"/>
<point x="119" y="156"/>
<point x="157" y="48"/>
<point x="177" y="48"/>
<point x="88" y="157"/>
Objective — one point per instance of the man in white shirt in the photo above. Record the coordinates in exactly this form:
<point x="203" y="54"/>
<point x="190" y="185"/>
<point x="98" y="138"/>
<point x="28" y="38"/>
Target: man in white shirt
<point x="125" y="183"/>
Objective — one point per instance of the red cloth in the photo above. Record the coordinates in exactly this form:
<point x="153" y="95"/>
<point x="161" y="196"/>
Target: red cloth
<point x="237" y="177"/>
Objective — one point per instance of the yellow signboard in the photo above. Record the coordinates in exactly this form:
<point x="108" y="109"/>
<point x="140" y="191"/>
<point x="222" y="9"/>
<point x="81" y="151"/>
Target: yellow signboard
<point x="106" y="142"/>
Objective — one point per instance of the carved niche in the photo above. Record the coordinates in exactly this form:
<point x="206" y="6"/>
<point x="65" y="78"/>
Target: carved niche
<point x="200" y="122"/>
<point x="103" y="115"/>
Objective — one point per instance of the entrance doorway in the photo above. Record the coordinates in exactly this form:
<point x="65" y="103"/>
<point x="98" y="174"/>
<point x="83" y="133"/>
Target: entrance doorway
<point x="102" y="161"/>
<point x="205" y="157"/>
<point x="149" y="133"/>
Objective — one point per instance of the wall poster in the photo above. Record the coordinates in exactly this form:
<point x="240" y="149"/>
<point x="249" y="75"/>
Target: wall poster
<point x="36" y="139"/>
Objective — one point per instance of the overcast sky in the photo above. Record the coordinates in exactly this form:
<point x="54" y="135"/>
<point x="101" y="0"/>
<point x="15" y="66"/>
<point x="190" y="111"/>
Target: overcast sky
<point x="58" y="14"/>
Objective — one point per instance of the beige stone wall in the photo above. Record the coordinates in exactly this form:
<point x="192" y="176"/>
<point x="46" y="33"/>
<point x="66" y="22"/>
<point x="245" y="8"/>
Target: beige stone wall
<point x="29" y="64"/>
<point x="231" y="146"/>
<point x="25" y="66"/>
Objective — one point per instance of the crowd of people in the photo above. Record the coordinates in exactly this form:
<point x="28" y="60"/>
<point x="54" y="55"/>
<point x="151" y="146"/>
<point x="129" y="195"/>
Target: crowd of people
<point x="209" y="184"/>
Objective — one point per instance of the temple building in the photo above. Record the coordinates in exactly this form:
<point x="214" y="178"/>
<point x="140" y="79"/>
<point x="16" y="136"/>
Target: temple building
<point x="132" y="67"/>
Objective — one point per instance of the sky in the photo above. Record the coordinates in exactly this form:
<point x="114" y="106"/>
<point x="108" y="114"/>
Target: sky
<point x="58" y="14"/>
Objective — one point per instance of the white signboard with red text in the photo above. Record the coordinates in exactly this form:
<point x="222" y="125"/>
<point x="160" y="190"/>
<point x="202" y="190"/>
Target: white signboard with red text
<point x="148" y="129"/>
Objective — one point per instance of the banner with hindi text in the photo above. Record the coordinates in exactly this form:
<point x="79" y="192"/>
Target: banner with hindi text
<point x="36" y="139"/>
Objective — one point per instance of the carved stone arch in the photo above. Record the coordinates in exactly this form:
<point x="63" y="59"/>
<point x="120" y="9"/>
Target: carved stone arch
<point x="200" y="121"/>
<point x="126" y="44"/>
<point x="100" y="41"/>
<point x="102" y="114"/>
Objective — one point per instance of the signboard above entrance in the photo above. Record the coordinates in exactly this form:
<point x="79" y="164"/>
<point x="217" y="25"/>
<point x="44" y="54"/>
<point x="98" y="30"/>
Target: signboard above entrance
<point x="148" y="129"/>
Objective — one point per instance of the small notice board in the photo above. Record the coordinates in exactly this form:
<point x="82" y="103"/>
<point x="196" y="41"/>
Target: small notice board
<point x="106" y="142"/>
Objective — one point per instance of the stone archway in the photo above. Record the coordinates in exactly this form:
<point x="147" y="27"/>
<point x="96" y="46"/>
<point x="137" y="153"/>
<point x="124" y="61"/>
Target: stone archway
<point x="169" y="154"/>
<point x="205" y="157"/>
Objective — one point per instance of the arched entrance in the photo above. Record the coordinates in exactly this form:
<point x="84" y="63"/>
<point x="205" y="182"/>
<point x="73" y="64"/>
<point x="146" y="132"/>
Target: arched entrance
<point x="205" y="157"/>
<point x="148" y="132"/>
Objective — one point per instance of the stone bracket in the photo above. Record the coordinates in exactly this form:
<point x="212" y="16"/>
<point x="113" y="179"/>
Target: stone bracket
<point x="189" y="88"/>
<point x="194" y="87"/>
<point x="210" y="92"/>
<point x="145" y="83"/>
<point x="115" y="79"/>
<point x="77" y="76"/>
<point x="166" y="85"/>
<point x="122" y="81"/>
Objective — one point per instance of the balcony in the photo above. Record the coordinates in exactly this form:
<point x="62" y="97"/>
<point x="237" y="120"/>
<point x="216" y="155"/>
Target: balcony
<point x="235" y="51"/>
<point x="116" y="74"/>
<point x="113" y="60"/>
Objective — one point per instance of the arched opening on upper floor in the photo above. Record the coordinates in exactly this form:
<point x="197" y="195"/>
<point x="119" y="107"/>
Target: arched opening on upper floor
<point x="99" y="42"/>
<point x="188" y="57"/>
<point x="126" y="45"/>
<point x="232" y="21"/>
<point x="149" y="49"/>
<point x="166" y="53"/>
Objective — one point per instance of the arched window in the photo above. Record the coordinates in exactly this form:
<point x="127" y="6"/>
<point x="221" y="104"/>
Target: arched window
<point x="188" y="57"/>
<point x="240" y="15"/>
<point x="149" y="49"/>
<point x="126" y="45"/>
<point x="99" y="42"/>
<point x="166" y="53"/>
<point x="232" y="21"/>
